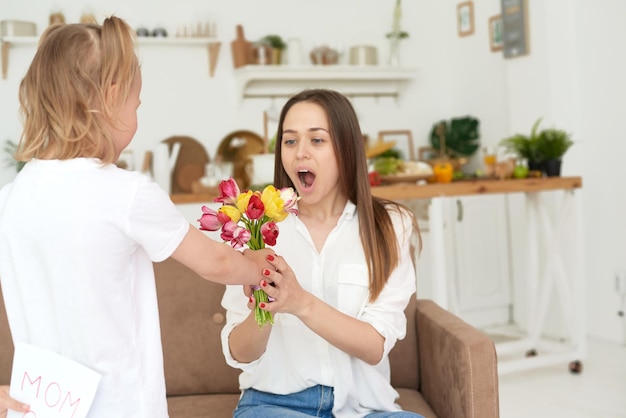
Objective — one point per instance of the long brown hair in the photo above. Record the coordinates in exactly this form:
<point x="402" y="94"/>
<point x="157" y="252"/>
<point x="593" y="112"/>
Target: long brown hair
<point x="64" y="97"/>
<point x="378" y="237"/>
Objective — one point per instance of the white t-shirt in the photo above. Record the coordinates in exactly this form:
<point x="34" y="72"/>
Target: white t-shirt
<point x="296" y="358"/>
<point x="77" y="241"/>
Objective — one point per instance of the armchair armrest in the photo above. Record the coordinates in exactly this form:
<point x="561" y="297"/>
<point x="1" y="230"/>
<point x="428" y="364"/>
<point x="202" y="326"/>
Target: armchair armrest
<point x="458" y="365"/>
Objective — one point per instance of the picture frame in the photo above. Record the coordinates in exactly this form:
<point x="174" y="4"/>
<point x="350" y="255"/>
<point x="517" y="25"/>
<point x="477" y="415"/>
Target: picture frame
<point x="404" y="142"/>
<point x="515" y="28"/>
<point x="465" y="18"/>
<point x="496" y="33"/>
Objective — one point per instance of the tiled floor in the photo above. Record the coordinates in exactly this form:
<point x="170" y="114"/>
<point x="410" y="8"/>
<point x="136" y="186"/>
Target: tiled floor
<point x="553" y="392"/>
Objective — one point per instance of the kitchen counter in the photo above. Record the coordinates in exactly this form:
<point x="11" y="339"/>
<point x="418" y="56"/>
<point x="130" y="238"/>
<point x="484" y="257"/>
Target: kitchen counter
<point x="400" y="191"/>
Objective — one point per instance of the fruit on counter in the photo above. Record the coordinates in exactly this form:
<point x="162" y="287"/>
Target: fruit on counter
<point x="520" y="171"/>
<point x="386" y="165"/>
<point x="443" y="172"/>
<point x="374" y="178"/>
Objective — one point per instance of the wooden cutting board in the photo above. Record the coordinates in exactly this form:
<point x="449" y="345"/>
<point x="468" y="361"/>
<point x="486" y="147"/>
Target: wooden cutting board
<point x="240" y="49"/>
<point x="190" y="165"/>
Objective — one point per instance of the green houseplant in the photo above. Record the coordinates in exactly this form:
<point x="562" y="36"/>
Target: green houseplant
<point x="525" y="147"/>
<point x="542" y="149"/>
<point x="459" y="137"/>
<point x="277" y="45"/>
<point x="552" y="144"/>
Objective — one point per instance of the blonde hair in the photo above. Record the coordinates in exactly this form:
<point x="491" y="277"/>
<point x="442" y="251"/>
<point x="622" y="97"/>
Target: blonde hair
<point x="66" y="103"/>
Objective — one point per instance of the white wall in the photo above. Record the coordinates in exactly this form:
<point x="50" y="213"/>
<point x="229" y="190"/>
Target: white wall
<point x="573" y="78"/>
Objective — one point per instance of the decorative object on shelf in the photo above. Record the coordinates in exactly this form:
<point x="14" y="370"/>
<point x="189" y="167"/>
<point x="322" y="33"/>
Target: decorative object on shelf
<point x="237" y="147"/>
<point x="403" y="140"/>
<point x="324" y="55"/>
<point x="163" y="164"/>
<point x="87" y="16"/>
<point x="496" y="34"/>
<point x="56" y="16"/>
<point x="277" y="46"/>
<point x="396" y="35"/>
<point x="465" y="18"/>
<point x="241" y="49"/>
<point x="190" y="165"/>
<point x="294" y="52"/>
<point x="363" y="55"/>
<point x="459" y="137"/>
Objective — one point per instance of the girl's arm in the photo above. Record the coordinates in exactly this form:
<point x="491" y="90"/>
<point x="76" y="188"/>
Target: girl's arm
<point x="218" y="262"/>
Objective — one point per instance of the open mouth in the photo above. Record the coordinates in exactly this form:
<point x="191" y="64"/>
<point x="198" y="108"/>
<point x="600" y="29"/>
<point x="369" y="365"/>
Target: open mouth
<point x="306" y="178"/>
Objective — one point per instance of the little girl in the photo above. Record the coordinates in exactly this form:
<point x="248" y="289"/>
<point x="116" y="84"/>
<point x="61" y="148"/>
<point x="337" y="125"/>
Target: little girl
<point x="78" y="235"/>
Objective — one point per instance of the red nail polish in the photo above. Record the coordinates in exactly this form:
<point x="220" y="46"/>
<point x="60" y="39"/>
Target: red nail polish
<point x="263" y="283"/>
<point x="270" y="257"/>
<point x="261" y="305"/>
<point x="251" y="299"/>
<point x="266" y="272"/>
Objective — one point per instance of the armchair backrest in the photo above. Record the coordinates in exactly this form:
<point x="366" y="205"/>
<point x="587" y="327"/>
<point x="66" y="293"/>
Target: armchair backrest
<point x="404" y="357"/>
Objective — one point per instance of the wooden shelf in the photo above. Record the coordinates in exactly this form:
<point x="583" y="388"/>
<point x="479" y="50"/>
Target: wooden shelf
<point x="213" y="47"/>
<point x="284" y="80"/>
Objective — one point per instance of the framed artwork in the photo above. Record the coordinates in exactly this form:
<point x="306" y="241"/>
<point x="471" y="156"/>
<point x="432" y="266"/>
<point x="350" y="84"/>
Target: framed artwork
<point x="465" y="18"/>
<point x="515" y="35"/>
<point x="404" y="142"/>
<point x="496" y="35"/>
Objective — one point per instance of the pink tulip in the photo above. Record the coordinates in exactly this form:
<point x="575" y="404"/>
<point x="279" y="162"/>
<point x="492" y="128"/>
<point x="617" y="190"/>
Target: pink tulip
<point x="237" y="235"/>
<point x="209" y="221"/>
<point x="229" y="190"/>
<point x="290" y="199"/>
<point x="255" y="209"/>
<point x="269" y="231"/>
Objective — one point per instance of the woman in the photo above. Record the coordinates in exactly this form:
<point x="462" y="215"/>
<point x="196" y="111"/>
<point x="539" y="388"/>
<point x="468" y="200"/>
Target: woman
<point x="340" y="309"/>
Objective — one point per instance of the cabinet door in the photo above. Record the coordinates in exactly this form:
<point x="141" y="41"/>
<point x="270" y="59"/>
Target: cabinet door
<point x="480" y="264"/>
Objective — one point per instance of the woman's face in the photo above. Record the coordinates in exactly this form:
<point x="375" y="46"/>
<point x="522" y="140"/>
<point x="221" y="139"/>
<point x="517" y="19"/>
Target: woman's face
<point x="125" y="124"/>
<point x="307" y="153"/>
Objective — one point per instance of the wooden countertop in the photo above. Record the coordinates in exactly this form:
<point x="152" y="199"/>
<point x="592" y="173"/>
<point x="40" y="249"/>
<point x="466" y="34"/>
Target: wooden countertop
<point x="400" y="191"/>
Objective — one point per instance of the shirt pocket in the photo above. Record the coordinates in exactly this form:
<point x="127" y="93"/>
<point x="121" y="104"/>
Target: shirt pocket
<point x="353" y="288"/>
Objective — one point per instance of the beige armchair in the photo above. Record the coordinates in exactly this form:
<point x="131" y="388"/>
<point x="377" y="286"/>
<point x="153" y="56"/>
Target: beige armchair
<point x="443" y="368"/>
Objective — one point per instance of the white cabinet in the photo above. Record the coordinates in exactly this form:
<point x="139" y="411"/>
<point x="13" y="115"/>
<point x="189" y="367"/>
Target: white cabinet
<point x="479" y="258"/>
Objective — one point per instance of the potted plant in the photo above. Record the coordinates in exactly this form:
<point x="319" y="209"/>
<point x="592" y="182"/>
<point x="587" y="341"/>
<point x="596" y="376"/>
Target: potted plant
<point x="551" y="146"/>
<point x="525" y="147"/>
<point x="277" y="45"/>
<point x="457" y="138"/>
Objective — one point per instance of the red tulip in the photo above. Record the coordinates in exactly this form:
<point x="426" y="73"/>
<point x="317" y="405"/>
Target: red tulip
<point x="269" y="231"/>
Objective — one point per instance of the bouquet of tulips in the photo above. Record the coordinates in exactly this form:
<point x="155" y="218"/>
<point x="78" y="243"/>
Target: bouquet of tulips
<point x="249" y="218"/>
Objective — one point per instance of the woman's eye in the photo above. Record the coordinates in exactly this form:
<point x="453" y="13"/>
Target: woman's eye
<point x="317" y="140"/>
<point x="288" y="141"/>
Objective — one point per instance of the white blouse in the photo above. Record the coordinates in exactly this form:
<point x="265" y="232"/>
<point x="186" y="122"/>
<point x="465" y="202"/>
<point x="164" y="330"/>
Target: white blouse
<point x="296" y="358"/>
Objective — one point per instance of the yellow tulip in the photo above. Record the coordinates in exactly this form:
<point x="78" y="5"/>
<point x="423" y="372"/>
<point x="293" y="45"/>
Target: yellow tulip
<point x="232" y="212"/>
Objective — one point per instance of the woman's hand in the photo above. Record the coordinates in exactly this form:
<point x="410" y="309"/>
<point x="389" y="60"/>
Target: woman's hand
<point x="6" y="403"/>
<point x="282" y="285"/>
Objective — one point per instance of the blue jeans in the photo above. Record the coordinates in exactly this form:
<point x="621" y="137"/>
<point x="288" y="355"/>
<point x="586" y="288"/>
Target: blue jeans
<point x="316" y="401"/>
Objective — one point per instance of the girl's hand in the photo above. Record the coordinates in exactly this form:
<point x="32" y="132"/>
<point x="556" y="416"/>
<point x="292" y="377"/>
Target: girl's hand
<point x="6" y="403"/>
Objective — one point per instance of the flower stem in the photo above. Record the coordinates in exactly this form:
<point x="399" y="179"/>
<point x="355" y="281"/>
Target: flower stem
<point x="262" y="317"/>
